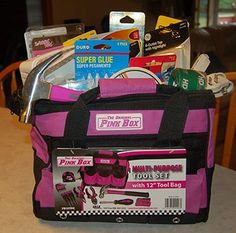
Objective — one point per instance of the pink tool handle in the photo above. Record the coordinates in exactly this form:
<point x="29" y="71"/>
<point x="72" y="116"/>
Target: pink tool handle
<point x="119" y="87"/>
<point x="143" y="202"/>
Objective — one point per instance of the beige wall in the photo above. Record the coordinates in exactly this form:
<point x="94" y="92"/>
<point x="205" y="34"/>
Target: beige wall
<point x="92" y="12"/>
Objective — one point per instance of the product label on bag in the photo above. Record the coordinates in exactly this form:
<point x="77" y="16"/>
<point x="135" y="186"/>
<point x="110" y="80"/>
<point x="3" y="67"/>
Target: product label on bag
<point x="119" y="181"/>
<point x="166" y="181"/>
<point x="70" y="161"/>
<point x="122" y="121"/>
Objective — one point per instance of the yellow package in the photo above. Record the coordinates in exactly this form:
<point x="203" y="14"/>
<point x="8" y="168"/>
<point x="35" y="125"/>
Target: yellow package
<point x="165" y="21"/>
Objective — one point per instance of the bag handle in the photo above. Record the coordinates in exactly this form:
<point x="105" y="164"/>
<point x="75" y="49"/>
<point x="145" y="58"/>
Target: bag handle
<point x="107" y="89"/>
<point x="172" y="124"/>
<point x="126" y="86"/>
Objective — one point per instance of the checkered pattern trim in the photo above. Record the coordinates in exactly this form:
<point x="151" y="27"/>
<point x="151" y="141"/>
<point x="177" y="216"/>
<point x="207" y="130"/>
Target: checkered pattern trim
<point x="171" y="212"/>
<point x="65" y="214"/>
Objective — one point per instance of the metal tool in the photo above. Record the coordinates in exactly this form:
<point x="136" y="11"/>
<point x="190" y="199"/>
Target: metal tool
<point x="119" y="202"/>
<point x="128" y="193"/>
<point x="36" y="88"/>
<point x="104" y="190"/>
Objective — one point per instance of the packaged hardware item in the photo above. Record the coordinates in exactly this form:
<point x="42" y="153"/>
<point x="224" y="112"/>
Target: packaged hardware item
<point x="188" y="79"/>
<point x="173" y="38"/>
<point x="219" y="84"/>
<point x="40" y="40"/>
<point x="123" y="152"/>
<point x="132" y="35"/>
<point x="84" y="36"/>
<point x="165" y="38"/>
<point x="159" y="65"/>
<point x="119" y="20"/>
<point x="99" y="59"/>
<point x="165" y="21"/>
<point x="201" y="63"/>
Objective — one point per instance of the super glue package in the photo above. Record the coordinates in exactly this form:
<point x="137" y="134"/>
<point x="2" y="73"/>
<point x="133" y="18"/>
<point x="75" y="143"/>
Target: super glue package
<point x="95" y="59"/>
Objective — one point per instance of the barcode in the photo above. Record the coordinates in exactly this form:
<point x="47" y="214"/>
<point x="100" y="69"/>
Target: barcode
<point x="173" y="202"/>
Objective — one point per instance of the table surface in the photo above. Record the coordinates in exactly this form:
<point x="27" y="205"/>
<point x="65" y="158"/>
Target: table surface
<point x="16" y="184"/>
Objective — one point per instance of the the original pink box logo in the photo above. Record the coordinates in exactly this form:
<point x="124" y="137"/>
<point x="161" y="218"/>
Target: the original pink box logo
<point x="121" y="121"/>
<point x="74" y="161"/>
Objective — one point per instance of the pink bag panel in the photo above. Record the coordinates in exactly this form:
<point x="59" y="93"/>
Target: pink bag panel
<point x="196" y="192"/>
<point x="44" y="191"/>
<point x="39" y="145"/>
<point x="52" y="124"/>
<point x="211" y="146"/>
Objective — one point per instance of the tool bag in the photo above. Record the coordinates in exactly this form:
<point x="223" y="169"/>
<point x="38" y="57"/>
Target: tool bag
<point x="127" y="151"/>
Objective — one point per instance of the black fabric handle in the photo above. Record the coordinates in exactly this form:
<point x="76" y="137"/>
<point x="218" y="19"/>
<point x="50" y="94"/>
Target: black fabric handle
<point x="171" y="127"/>
<point x="78" y="117"/>
<point x="173" y="120"/>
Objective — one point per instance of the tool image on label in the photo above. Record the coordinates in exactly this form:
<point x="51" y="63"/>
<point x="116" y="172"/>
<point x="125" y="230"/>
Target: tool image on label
<point x="68" y="177"/>
<point x="79" y="192"/>
<point x="69" y="198"/>
<point x="119" y="202"/>
<point x="91" y="194"/>
<point x="104" y="191"/>
<point x="143" y="202"/>
<point x="59" y="187"/>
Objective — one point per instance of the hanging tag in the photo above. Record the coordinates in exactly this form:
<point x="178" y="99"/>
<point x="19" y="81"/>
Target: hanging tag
<point x="125" y="20"/>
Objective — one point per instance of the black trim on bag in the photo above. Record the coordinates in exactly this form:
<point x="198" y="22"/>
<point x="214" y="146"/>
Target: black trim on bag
<point x="39" y="165"/>
<point x="176" y="105"/>
<point x="187" y="218"/>
<point x="209" y="177"/>
<point x="128" y="102"/>
<point x="194" y="143"/>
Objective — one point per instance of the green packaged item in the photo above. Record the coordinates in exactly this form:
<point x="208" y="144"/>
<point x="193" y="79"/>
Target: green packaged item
<point x="187" y="79"/>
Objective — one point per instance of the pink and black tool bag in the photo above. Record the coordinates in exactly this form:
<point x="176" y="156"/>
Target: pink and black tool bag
<point x="127" y="151"/>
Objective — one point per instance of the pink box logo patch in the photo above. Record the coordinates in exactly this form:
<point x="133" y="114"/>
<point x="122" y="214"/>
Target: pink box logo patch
<point x="122" y="121"/>
<point x="74" y="161"/>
